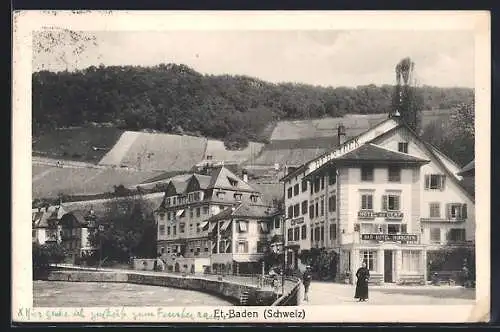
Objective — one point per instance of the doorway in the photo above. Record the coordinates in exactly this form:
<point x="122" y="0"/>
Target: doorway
<point x="388" y="266"/>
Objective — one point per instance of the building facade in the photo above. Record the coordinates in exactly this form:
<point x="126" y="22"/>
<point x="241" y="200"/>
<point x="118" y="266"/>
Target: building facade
<point x="383" y="197"/>
<point x="184" y="233"/>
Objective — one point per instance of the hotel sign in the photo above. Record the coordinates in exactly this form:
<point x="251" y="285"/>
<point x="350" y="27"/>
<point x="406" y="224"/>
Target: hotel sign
<point x="390" y="237"/>
<point x="297" y="221"/>
<point x="393" y="215"/>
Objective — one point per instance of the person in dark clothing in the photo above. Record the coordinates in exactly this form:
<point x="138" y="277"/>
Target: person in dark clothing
<point x="306" y="281"/>
<point x="362" y="275"/>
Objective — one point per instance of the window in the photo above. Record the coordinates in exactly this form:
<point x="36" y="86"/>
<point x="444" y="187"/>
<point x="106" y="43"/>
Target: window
<point x="237" y="197"/>
<point x="296" y="210"/>
<point x="317" y="210"/>
<point x="332" y="203"/>
<point x="322" y="233"/>
<point x="403" y="147"/>
<point x="322" y="182"/>
<point x="191" y="228"/>
<point x="322" y="206"/>
<point x="221" y="194"/>
<point x="332" y="177"/>
<point x="316" y="233"/>
<point x="168" y="201"/>
<point x="296" y="189"/>
<point x="181" y="228"/>
<point x="191" y="213"/>
<point x="242" y="226"/>
<point x="393" y="228"/>
<point x="296" y="233"/>
<point x="290" y="211"/>
<point x="316" y="184"/>
<point x="197" y="196"/>
<point x="311" y="211"/>
<point x="411" y="260"/>
<point x="456" y="235"/>
<point x="435" y="181"/>
<point x="174" y="200"/>
<point x="312" y="234"/>
<point x="333" y="231"/>
<point x="162" y="229"/>
<point x="290" y="234"/>
<point x="367" y="202"/>
<point x="391" y="203"/>
<point x="190" y="197"/>
<point x="232" y="182"/>
<point x="394" y="173"/>
<point x="367" y="173"/>
<point x="168" y="250"/>
<point x="435" y="235"/>
<point x="304" y="207"/>
<point x="290" y="192"/>
<point x="162" y="250"/>
<point x="304" y="185"/>
<point x="277" y="223"/>
<point x="370" y="258"/>
<point x="434" y="210"/>
<point x="457" y="211"/>
<point x="198" y="227"/>
<point x="303" y="232"/>
<point x="205" y="210"/>
<point x="242" y="247"/>
<point x="168" y="230"/>
<point x="174" y="230"/>
<point x="260" y="247"/>
<point x="254" y="198"/>
<point x="198" y="211"/>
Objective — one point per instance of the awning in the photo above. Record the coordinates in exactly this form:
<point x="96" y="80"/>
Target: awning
<point x="243" y="226"/>
<point x="211" y="227"/>
<point x="225" y="225"/>
<point x="203" y="224"/>
<point x="263" y="226"/>
<point x="179" y="213"/>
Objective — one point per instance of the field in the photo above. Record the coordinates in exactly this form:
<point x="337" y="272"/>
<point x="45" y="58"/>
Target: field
<point x="76" y="143"/>
<point x="49" y="181"/>
<point x="218" y="151"/>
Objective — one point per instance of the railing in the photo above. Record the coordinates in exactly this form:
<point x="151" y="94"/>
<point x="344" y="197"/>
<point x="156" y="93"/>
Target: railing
<point x="291" y="294"/>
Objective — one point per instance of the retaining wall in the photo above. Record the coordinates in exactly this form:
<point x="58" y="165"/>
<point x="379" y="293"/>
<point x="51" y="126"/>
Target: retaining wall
<point x="234" y="292"/>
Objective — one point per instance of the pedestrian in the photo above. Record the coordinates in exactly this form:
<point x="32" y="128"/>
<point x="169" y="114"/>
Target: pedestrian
<point x="306" y="281"/>
<point x="362" y="275"/>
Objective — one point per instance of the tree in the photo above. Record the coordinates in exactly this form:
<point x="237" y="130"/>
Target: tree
<point x="129" y="229"/>
<point x="407" y="100"/>
<point x="45" y="254"/>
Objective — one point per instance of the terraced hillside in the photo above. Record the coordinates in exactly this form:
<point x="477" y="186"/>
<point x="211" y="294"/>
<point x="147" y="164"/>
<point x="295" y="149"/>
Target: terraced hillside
<point x="218" y="151"/>
<point x="295" y="142"/>
<point x="50" y="181"/>
<point x="87" y="144"/>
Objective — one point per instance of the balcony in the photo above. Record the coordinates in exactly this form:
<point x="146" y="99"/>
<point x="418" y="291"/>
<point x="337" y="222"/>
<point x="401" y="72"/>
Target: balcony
<point x="443" y="220"/>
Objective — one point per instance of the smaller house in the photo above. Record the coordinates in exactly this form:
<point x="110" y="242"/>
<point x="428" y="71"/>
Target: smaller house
<point x="239" y="237"/>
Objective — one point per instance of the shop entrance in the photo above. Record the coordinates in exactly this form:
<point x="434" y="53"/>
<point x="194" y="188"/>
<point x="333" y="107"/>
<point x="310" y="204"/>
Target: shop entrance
<point x="388" y="266"/>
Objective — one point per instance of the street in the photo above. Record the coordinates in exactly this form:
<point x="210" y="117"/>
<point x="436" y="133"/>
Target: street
<point x="328" y="293"/>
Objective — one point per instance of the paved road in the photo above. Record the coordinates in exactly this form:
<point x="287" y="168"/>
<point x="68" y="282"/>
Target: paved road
<point x="327" y="293"/>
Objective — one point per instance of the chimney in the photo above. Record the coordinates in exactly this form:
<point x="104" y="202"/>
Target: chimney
<point x="341" y="134"/>
<point x="245" y="175"/>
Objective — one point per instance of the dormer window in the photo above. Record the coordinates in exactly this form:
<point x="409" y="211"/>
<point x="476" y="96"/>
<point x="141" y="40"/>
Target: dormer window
<point x="174" y="200"/>
<point x="167" y="201"/>
<point x="221" y="194"/>
<point x="254" y="198"/>
<point x="232" y="182"/>
<point x="237" y="197"/>
<point x="196" y="196"/>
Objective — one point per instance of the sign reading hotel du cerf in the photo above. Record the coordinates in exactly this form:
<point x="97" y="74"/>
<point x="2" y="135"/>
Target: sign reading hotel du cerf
<point x="390" y="237"/>
<point x="393" y="215"/>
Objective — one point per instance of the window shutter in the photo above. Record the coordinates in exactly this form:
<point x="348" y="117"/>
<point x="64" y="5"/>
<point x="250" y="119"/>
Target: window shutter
<point x="443" y="181"/>
<point x="464" y="211"/>
<point x="404" y="228"/>
<point x="448" y="209"/>
<point x="427" y="181"/>
<point x="384" y="203"/>
<point x="397" y="203"/>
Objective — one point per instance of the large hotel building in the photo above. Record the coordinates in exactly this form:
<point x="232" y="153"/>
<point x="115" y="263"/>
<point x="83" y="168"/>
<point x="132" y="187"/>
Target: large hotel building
<point x="384" y="197"/>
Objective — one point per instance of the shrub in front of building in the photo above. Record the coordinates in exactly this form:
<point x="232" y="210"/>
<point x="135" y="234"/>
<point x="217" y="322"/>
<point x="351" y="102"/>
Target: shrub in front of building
<point x="45" y="254"/>
<point x="455" y="264"/>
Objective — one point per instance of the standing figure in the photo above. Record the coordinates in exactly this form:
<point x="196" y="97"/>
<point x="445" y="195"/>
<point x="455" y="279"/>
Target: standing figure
<point x="363" y="275"/>
<point x="306" y="281"/>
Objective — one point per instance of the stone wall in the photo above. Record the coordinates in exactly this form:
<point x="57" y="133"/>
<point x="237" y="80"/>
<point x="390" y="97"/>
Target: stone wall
<point x="225" y="289"/>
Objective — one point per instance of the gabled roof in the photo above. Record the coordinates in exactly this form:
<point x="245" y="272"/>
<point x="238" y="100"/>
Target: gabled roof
<point x="373" y="153"/>
<point x="222" y="177"/>
<point x="203" y="180"/>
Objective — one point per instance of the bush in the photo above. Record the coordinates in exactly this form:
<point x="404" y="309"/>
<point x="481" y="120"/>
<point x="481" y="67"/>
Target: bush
<point x="45" y="254"/>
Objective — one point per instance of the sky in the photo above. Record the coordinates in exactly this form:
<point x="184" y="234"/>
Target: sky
<point x="323" y="57"/>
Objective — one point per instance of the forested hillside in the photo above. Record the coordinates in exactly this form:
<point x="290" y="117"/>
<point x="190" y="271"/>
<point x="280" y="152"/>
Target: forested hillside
<point x="176" y="99"/>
